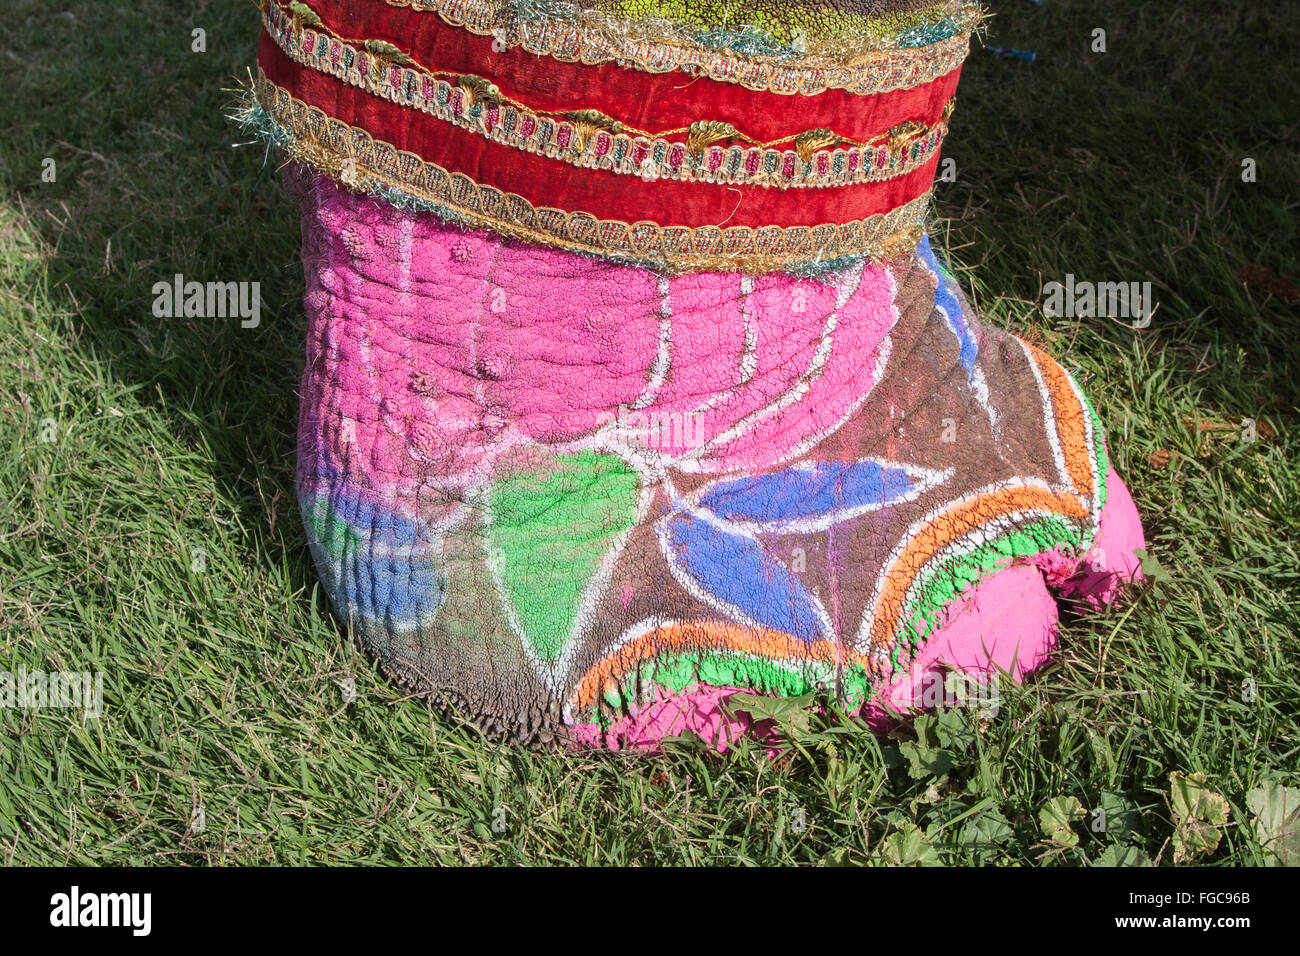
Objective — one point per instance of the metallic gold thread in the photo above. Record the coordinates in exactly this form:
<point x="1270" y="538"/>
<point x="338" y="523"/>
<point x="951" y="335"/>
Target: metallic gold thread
<point x="333" y="147"/>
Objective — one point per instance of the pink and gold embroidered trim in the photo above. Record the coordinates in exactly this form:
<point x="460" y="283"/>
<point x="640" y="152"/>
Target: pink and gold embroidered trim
<point x="351" y="155"/>
<point x="589" y="139"/>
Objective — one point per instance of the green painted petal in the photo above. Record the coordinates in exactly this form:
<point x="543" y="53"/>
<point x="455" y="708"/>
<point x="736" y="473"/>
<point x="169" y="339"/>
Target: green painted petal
<point x="549" y="532"/>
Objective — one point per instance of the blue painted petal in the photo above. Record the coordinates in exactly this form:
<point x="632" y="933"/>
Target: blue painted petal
<point x="806" y="493"/>
<point x="948" y="303"/>
<point x="738" y="575"/>
<point x="373" y="562"/>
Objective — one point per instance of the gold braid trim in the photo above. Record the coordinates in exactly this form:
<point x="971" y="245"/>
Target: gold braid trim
<point x="820" y="157"/>
<point x="657" y="46"/>
<point x="352" y="156"/>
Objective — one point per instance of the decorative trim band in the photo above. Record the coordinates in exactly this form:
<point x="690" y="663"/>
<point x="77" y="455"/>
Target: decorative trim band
<point x="354" y="157"/>
<point x="760" y="28"/>
<point x="589" y="139"/>
<point x="593" y="37"/>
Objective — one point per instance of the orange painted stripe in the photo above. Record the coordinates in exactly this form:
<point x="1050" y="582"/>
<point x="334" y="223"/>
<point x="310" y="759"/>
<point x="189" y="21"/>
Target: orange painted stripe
<point x="697" y="636"/>
<point x="1071" y="426"/>
<point x="948" y="527"/>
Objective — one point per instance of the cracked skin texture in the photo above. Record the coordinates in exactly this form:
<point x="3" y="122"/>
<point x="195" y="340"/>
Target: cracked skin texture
<point x="565" y="497"/>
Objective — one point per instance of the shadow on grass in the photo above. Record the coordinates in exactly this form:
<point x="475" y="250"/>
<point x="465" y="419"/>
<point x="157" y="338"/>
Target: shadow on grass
<point x="1127" y="166"/>
<point x="148" y="186"/>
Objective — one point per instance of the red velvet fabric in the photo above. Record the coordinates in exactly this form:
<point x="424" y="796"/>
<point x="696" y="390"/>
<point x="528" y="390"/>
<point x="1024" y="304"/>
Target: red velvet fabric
<point x="649" y="101"/>
<point x="603" y="194"/>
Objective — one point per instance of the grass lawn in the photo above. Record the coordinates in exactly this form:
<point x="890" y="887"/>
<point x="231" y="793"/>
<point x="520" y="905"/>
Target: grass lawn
<point x="148" y="528"/>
